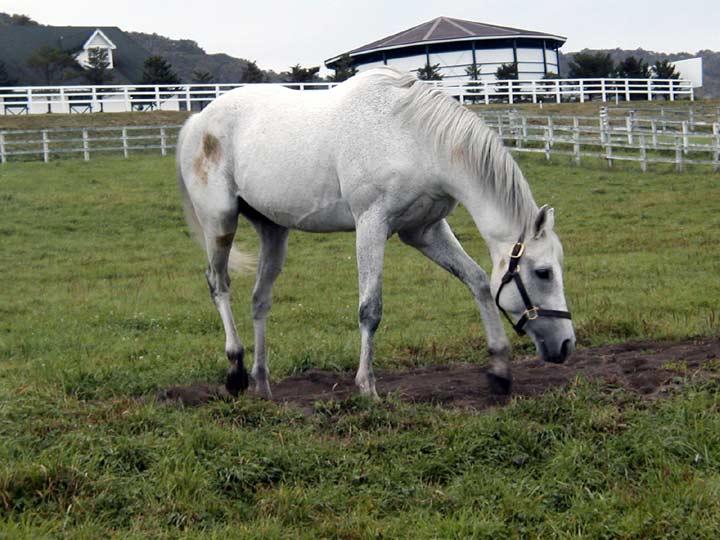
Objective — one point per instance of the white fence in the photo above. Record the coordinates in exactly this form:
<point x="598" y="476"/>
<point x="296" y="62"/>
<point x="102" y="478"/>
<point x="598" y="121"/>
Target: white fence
<point x="611" y="138"/>
<point x="85" y="99"/>
<point x="51" y="144"/>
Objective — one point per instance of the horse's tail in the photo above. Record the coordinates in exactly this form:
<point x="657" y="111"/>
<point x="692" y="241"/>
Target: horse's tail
<point x="240" y="261"/>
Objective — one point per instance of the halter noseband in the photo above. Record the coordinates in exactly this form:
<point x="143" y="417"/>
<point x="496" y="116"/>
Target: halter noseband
<point x="532" y="311"/>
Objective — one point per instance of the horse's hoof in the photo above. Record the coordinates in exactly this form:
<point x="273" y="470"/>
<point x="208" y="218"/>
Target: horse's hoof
<point x="237" y="380"/>
<point x="499" y="385"/>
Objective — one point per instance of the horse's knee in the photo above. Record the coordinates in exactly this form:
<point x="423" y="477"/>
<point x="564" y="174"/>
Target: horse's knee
<point x="370" y="314"/>
<point x="261" y="305"/>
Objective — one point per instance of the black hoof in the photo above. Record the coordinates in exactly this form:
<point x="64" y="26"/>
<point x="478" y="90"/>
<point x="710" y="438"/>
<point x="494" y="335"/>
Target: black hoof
<point x="237" y="380"/>
<point x="499" y="385"/>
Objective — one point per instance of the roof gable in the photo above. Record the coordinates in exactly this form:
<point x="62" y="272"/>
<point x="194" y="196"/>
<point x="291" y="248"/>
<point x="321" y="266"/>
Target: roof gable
<point x="99" y="39"/>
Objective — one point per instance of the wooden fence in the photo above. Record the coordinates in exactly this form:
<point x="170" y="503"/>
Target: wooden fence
<point x="611" y="137"/>
<point x="608" y="136"/>
<point x="188" y="97"/>
<point x="51" y="144"/>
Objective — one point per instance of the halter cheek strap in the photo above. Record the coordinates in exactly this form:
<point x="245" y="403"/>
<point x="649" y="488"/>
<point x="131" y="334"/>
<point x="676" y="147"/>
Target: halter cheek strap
<point x="532" y="311"/>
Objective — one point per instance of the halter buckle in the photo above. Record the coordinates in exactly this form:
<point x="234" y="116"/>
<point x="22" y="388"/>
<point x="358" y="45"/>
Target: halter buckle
<point x="532" y="313"/>
<point x="520" y="252"/>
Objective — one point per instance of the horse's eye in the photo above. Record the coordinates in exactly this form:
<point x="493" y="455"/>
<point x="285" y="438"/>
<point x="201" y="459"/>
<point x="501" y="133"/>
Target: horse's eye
<point x="543" y="273"/>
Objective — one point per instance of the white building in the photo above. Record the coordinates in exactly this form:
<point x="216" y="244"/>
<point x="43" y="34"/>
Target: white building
<point x="457" y="45"/>
<point x="98" y="40"/>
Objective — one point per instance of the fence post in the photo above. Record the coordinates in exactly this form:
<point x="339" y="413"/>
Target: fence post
<point x="627" y="90"/>
<point x="163" y="147"/>
<point x="686" y="137"/>
<point x="500" y="125"/>
<point x="126" y="96"/>
<point x="485" y="93"/>
<point x="653" y="127"/>
<point x="125" y="142"/>
<point x="188" y="103"/>
<point x="576" y="140"/>
<point x="510" y="92"/>
<point x="679" y="165"/>
<point x="523" y="120"/>
<point x="582" y="91"/>
<point x="551" y="128"/>
<point x="603" y="117"/>
<point x="629" y="127"/>
<point x="3" y="157"/>
<point x="86" y="149"/>
<point x="534" y="91"/>
<point x="649" y="90"/>
<point x="45" y="144"/>
<point x="643" y="154"/>
<point x="558" y="99"/>
<point x="608" y="147"/>
<point x="547" y="144"/>
<point x="672" y="90"/>
<point x="716" y="157"/>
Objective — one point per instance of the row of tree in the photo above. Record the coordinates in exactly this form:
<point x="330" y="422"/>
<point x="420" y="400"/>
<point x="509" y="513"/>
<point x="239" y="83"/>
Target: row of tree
<point x="56" y="65"/>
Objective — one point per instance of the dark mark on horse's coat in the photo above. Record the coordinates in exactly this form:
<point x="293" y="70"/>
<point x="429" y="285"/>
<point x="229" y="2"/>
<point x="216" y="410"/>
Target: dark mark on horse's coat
<point x="210" y="154"/>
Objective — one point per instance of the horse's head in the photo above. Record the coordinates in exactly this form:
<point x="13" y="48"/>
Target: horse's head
<point x="527" y="282"/>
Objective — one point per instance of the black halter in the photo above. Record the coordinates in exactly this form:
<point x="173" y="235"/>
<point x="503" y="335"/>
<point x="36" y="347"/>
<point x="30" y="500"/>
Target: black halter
<point x="532" y="311"/>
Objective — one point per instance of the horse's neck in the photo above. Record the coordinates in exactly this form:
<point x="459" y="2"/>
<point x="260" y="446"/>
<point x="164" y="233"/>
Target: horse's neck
<point x="494" y="222"/>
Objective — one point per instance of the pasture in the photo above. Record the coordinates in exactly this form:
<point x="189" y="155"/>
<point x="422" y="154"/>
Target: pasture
<point x="103" y="304"/>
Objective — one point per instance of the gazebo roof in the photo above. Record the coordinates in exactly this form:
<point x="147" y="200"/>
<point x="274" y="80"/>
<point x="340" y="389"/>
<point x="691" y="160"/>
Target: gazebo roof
<point x="446" y="29"/>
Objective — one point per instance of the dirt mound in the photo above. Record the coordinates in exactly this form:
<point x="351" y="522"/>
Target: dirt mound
<point x="644" y="367"/>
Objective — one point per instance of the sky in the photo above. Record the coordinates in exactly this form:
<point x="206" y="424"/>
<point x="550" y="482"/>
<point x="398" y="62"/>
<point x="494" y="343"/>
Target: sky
<point x="279" y="34"/>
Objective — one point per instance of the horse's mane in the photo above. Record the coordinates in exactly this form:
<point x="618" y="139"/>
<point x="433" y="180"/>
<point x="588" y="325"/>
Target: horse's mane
<point x="463" y="135"/>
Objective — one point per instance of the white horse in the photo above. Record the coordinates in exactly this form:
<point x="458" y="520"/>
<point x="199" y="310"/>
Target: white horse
<point x="379" y="154"/>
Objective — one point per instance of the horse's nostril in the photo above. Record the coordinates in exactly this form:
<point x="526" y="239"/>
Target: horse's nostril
<point x="566" y="349"/>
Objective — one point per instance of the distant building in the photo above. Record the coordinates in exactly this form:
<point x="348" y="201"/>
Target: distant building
<point x="456" y="45"/>
<point x="19" y="42"/>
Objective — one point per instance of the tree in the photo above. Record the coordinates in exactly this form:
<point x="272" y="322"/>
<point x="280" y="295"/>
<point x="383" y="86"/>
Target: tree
<point x="586" y="65"/>
<point x="473" y="71"/>
<point x="663" y="69"/>
<point x="344" y="69"/>
<point x="253" y="74"/>
<point x="5" y="78"/>
<point x="300" y="74"/>
<point x="507" y="72"/>
<point x="98" y="69"/>
<point x="52" y="62"/>
<point x="429" y="72"/>
<point x="157" y="70"/>
<point x="632" y="68"/>
<point x="202" y="77"/>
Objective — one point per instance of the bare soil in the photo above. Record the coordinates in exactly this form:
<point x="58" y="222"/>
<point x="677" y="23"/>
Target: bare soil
<point x="648" y="368"/>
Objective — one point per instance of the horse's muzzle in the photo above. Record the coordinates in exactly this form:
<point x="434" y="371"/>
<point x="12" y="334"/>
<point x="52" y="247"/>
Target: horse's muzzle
<point x="566" y="349"/>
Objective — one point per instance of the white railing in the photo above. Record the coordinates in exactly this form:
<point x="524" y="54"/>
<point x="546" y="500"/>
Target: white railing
<point x="81" y="99"/>
<point x="608" y="137"/>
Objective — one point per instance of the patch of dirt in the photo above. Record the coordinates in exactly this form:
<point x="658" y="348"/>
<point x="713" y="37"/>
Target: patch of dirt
<point x="641" y="367"/>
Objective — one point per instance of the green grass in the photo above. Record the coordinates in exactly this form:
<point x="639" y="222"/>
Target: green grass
<point x="103" y="301"/>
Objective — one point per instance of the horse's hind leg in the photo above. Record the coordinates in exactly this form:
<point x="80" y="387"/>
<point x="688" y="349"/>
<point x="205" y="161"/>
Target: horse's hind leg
<point x="273" y="247"/>
<point x="218" y="245"/>
<point x="439" y="244"/>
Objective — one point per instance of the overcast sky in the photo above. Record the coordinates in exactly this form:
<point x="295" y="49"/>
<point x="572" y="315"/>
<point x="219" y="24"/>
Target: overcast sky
<point x="278" y="34"/>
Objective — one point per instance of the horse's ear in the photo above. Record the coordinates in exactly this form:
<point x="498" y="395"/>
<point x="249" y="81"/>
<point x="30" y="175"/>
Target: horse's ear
<point x="545" y="221"/>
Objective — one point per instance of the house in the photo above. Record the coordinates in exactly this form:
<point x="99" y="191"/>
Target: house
<point x="19" y="42"/>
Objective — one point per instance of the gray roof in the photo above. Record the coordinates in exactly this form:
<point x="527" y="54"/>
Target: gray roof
<point x="17" y="44"/>
<point x="443" y="29"/>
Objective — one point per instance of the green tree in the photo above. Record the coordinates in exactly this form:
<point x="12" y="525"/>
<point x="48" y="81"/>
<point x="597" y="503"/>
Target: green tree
<point x="98" y="70"/>
<point x="664" y="69"/>
<point x="253" y="74"/>
<point x="5" y="78"/>
<point x="300" y="74"/>
<point x="201" y="77"/>
<point x="633" y="68"/>
<point x="586" y="65"/>
<point x="344" y="69"/>
<point x="429" y="72"/>
<point x="157" y="70"/>
<point x="53" y="63"/>
<point x="507" y="72"/>
<point x="473" y="71"/>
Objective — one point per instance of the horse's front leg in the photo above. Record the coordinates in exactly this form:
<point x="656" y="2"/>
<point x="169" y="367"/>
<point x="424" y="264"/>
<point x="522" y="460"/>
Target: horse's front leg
<point x="371" y="235"/>
<point x="439" y="244"/>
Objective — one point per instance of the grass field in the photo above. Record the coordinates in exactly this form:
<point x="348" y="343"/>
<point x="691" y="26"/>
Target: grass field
<point x="103" y="302"/>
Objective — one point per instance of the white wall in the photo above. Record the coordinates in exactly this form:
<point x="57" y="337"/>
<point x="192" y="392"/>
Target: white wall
<point x="690" y="69"/>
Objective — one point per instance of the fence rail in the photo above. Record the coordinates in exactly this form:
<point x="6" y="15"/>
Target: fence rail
<point x="607" y="136"/>
<point x="187" y="97"/>
<point x="612" y="138"/>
